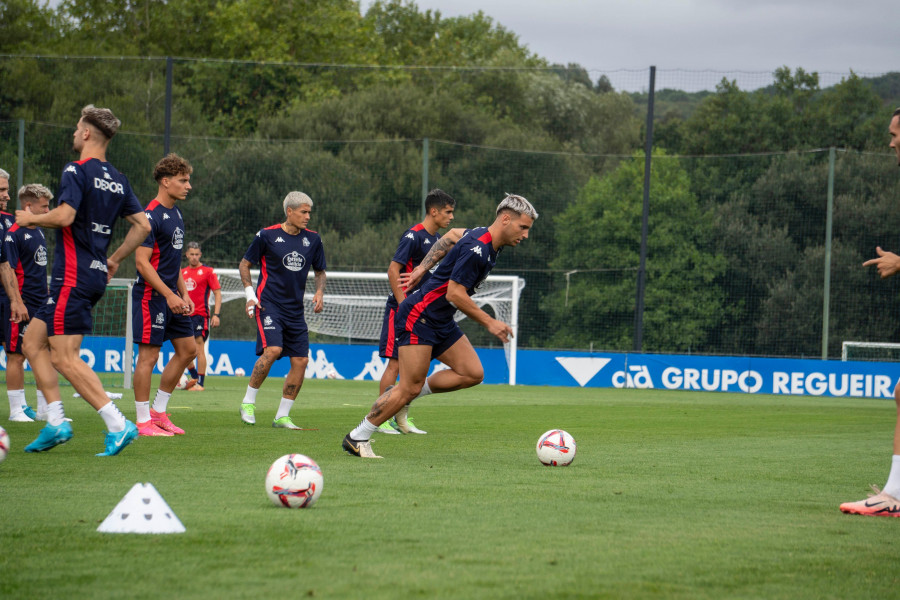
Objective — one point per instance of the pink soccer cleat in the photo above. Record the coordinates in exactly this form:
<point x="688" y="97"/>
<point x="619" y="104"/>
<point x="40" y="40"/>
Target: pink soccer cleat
<point x="161" y="420"/>
<point x="878" y="504"/>
<point x="149" y="429"/>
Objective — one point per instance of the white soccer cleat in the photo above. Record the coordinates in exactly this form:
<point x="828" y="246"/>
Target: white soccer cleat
<point x="357" y="448"/>
<point x="404" y="423"/>
<point x="248" y="413"/>
<point x="20" y="417"/>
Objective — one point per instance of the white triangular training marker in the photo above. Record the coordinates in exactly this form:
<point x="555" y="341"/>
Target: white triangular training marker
<point x="582" y="369"/>
<point x="142" y="510"/>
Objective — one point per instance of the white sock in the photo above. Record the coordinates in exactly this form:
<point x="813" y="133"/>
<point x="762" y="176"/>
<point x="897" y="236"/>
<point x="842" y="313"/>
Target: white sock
<point x="250" y="395"/>
<point x="892" y="486"/>
<point x="161" y="401"/>
<point x="55" y="413"/>
<point x="113" y="417"/>
<point x="16" y="400"/>
<point x="143" y="411"/>
<point x="363" y="431"/>
<point x="41" y="402"/>
<point x="426" y="389"/>
<point x="284" y="408"/>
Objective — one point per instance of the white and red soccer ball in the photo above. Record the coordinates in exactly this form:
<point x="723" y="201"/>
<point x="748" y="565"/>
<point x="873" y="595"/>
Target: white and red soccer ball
<point x="239" y="372"/>
<point x="294" y="481"/>
<point x="556" y="448"/>
<point x="4" y="444"/>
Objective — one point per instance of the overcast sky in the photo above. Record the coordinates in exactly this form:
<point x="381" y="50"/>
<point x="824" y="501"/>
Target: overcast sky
<point x="741" y="39"/>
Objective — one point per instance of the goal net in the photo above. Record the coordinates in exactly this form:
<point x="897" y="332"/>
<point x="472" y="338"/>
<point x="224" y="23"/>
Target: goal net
<point x="870" y="351"/>
<point x="354" y="304"/>
<point x="112" y="319"/>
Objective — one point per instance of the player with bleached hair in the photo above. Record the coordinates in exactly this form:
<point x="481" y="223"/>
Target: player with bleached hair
<point x="426" y="316"/>
<point x="285" y="252"/>
<point x="93" y="195"/>
<point x="26" y="251"/>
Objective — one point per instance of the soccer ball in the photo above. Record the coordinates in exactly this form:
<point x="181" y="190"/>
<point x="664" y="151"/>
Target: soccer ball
<point x="294" y="481"/>
<point x="556" y="448"/>
<point x="331" y="374"/>
<point x="239" y="372"/>
<point x="4" y="444"/>
<point x="182" y="382"/>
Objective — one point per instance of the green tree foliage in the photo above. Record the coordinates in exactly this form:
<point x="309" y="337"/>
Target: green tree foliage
<point x="601" y="231"/>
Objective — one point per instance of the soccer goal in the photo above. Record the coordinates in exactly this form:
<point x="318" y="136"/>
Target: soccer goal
<point x="354" y="304"/>
<point x="112" y="319"/>
<point x="870" y="351"/>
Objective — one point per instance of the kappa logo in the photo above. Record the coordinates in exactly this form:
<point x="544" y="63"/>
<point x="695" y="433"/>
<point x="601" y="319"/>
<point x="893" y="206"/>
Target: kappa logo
<point x="477" y="250"/>
<point x="165" y="216"/>
<point x="8" y="238"/>
<point x="257" y="234"/>
<point x="149" y="216"/>
<point x="50" y="301"/>
<point x="410" y="236"/>
<point x="305" y="242"/>
<point x="427" y="242"/>
<point x="106" y="175"/>
<point x="279" y="239"/>
<point x="71" y="169"/>
<point x="199" y="327"/>
<point x="27" y="237"/>
<point x="294" y="261"/>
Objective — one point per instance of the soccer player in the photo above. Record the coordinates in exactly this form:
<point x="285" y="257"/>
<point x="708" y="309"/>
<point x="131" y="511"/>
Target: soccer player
<point x="26" y="251"/>
<point x="285" y="253"/>
<point x="885" y="502"/>
<point x="161" y="306"/>
<point x="200" y="280"/>
<point x="426" y="315"/>
<point x="92" y="196"/>
<point x="414" y="245"/>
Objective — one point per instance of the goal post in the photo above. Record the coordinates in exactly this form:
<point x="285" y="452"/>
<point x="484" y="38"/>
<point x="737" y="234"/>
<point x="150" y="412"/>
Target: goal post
<point x="354" y="304"/>
<point x="870" y="351"/>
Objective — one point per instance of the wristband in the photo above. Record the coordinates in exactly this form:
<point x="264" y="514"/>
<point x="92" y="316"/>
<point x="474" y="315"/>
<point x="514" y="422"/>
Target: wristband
<point x="216" y="315"/>
<point x="250" y="294"/>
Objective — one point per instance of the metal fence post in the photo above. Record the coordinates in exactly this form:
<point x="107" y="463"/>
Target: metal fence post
<point x="170" y="64"/>
<point x="20" y="167"/>
<point x="645" y="217"/>
<point x="826" y="288"/>
<point x="424" y="174"/>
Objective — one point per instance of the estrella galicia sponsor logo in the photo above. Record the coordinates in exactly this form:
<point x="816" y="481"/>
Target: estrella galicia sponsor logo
<point x="109" y="186"/>
<point x="178" y="238"/>
<point x="100" y="266"/>
<point x="293" y="261"/>
<point x="40" y="256"/>
<point x="100" y="228"/>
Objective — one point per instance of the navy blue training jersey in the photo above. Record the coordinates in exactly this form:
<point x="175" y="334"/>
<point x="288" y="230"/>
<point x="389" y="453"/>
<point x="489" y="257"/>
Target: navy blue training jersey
<point x="413" y="246"/>
<point x="26" y="251"/>
<point x="468" y="263"/>
<point x="166" y="239"/>
<point x="6" y="221"/>
<point x="284" y="261"/>
<point x="100" y="195"/>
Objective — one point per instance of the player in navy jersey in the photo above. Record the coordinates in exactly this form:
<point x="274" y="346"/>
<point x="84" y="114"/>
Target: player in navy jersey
<point x="414" y="245"/>
<point x="426" y="316"/>
<point x="92" y="196"/>
<point x="7" y="276"/>
<point x="161" y="306"/>
<point x="285" y="253"/>
<point x="26" y="251"/>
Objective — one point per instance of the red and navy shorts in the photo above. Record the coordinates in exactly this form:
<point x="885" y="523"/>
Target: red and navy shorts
<point x="15" y="332"/>
<point x="387" y="345"/>
<point x="152" y="322"/>
<point x="68" y="310"/>
<point x="276" y="329"/>
<point x="440" y="336"/>
<point x="200" y="326"/>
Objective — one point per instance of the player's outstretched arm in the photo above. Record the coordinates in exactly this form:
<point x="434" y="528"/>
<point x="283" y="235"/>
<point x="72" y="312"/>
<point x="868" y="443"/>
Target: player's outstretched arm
<point x="438" y="251"/>
<point x="247" y="282"/>
<point x="887" y="263"/>
<point x="457" y="295"/>
<point x="140" y="229"/>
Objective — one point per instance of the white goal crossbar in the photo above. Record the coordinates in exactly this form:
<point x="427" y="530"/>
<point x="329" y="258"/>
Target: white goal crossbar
<point x="847" y="346"/>
<point x="354" y="304"/>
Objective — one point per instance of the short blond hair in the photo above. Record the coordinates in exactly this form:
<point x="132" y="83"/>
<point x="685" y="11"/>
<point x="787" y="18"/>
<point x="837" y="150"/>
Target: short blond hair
<point x="102" y="119"/>
<point x="518" y="205"/>
<point x="33" y="191"/>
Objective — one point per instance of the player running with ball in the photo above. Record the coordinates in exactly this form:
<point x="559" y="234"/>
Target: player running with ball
<point x="425" y="325"/>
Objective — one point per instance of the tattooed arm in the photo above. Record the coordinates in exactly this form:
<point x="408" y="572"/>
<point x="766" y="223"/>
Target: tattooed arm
<point x="438" y="251"/>
<point x="319" y="296"/>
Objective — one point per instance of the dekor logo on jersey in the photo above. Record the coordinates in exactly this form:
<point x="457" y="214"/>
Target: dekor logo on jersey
<point x="293" y="261"/>
<point x="40" y="256"/>
<point x="178" y="238"/>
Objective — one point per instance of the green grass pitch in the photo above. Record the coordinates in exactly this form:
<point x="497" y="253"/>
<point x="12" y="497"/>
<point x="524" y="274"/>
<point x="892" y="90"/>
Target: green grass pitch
<point x="672" y="495"/>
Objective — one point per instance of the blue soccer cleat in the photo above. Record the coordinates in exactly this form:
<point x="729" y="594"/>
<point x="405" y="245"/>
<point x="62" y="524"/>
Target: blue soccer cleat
<point x="29" y="412"/>
<point x="50" y="436"/>
<point x="116" y="442"/>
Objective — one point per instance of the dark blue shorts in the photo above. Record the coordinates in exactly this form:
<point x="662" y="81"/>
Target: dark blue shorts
<point x="153" y="322"/>
<point x="68" y="310"/>
<point x="287" y="332"/>
<point x="387" y="346"/>
<point x="440" y="336"/>
<point x="15" y="332"/>
<point x="200" y="326"/>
